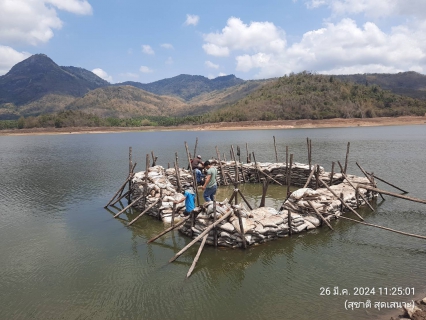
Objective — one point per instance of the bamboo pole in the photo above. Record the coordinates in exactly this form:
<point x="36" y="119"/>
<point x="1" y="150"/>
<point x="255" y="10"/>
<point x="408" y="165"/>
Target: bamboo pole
<point x="118" y="191"/>
<point x="289" y="175"/>
<point x="239" y="154"/>
<point x="240" y="221"/>
<point x="130" y="172"/>
<point x="176" y="157"/>
<point x="310" y="177"/>
<point x="347" y="157"/>
<point x="237" y="174"/>
<point x="268" y="176"/>
<point x="391" y="193"/>
<point x="248" y="160"/>
<point x="316" y="177"/>
<point x="276" y="154"/>
<point x="137" y="199"/>
<point x="290" y="231"/>
<point x="309" y="153"/>
<point x="341" y="200"/>
<point x="121" y="197"/>
<point x="154" y="159"/>
<point x="178" y="178"/>
<point x="384" y="228"/>
<point x="320" y="215"/>
<point x="264" y="190"/>
<point x="369" y="178"/>
<point x="388" y="183"/>
<point x="255" y="165"/>
<point x="221" y="168"/>
<point x="168" y="229"/>
<point x="202" y="234"/>
<point x="194" y="179"/>
<point x="332" y="173"/>
<point x="143" y="212"/>
<point x="245" y="200"/>
<point x="359" y="193"/>
<point x="195" y="149"/>
<point x="200" y="249"/>
<point x="173" y="214"/>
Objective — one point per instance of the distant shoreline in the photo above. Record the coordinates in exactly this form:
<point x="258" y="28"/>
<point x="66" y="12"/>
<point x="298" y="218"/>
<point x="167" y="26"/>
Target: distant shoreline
<point x="243" y="125"/>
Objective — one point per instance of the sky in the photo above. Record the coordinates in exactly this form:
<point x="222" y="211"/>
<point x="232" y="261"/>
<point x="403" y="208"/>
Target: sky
<point x="146" y="41"/>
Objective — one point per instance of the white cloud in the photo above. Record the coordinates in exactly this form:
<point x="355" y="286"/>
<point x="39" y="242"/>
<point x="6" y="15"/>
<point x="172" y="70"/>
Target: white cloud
<point x="258" y="36"/>
<point x="373" y="8"/>
<point x="169" y="60"/>
<point x="192" y="20"/>
<point x="9" y="57"/>
<point x="145" y="69"/>
<point x="167" y="46"/>
<point x="210" y="64"/>
<point x="147" y="49"/>
<point x="102" y="74"/>
<point x="221" y="74"/>
<point x="342" y="47"/>
<point x="32" y="22"/>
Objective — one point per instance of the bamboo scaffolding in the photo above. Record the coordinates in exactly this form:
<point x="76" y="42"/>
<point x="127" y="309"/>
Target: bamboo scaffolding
<point x="168" y="229"/>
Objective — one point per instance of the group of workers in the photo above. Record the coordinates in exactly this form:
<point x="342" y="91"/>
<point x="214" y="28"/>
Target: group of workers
<point x="207" y="182"/>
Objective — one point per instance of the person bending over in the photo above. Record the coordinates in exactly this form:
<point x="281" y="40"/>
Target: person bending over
<point x="189" y="197"/>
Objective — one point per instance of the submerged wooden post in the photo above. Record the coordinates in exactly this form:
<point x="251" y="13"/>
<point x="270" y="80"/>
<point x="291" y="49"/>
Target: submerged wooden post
<point x="276" y="154"/>
<point x="201" y="235"/>
<point x="145" y="211"/>
<point x="168" y="229"/>
<point x="347" y="157"/>
<point x="200" y="249"/>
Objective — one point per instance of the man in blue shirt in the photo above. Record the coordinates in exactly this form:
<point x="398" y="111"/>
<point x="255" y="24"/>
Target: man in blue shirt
<point x="189" y="197"/>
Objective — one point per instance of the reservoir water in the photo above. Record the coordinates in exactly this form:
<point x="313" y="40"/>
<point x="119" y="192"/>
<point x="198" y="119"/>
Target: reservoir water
<point x="63" y="256"/>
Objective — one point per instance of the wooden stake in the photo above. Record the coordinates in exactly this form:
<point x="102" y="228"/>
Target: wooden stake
<point x="248" y="160"/>
<point x="255" y="165"/>
<point x="240" y="220"/>
<point x="221" y="168"/>
<point x="290" y="231"/>
<point x="201" y="235"/>
<point x="121" y="197"/>
<point x="197" y="256"/>
<point x="154" y="159"/>
<point x="140" y="197"/>
<point x="237" y="174"/>
<point x="380" y="227"/>
<point x="276" y="154"/>
<point x="316" y="176"/>
<point x="130" y="172"/>
<point x="310" y="177"/>
<point x="177" y="173"/>
<point x="195" y="149"/>
<point x="194" y="179"/>
<point x="143" y="212"/>
<point x="173" y="214"/>
<point x="214" y="220"/>
<point x="359" y="193"/>
<point x="119" y="190"/>
<point x="264" y="190"/>
<point x="289" y="175"/>
<point x="245" y="200"/>
<point x="347" y="157"/>
<point x="341" y="200"/>
<point x="320" y="215"/>
<point x="169" y="229"/>
<point x="369" y="178"/>
<point x="391" y="193"/>
<point x="388" y="183"/>
<point x="332" y="173"/>
<point x="309" y="153"/>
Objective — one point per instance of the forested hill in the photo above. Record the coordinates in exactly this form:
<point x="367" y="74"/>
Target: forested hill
<point x="312" y="96"/>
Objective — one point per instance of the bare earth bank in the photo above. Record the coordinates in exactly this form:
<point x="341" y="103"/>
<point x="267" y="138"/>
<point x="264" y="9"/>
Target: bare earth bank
<point x="243" y="125"/>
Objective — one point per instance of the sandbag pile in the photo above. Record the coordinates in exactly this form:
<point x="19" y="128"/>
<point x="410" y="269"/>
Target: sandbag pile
<point x="158" y="186"/>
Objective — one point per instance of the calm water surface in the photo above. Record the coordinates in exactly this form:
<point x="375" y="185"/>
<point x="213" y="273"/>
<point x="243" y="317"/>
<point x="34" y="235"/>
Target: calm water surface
<point x="63" y="256"/>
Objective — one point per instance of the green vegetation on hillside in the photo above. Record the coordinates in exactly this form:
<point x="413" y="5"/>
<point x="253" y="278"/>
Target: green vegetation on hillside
<point x="312" y="96"/>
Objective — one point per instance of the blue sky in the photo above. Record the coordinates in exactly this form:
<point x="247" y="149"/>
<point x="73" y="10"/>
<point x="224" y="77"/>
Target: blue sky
<point x="145" y="41"/>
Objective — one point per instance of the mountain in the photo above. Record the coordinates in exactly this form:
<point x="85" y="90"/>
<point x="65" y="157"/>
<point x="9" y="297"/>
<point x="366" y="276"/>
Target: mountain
<point x="311" y="96"/>
<point x="126" y="102"/>
<point x="186" y="86"/>
<point x="38" y="76"/>
<point x="409" y="83"/>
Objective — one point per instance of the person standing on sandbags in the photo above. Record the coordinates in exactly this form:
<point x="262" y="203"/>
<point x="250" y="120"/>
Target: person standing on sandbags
<point x="210" y="185"/>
